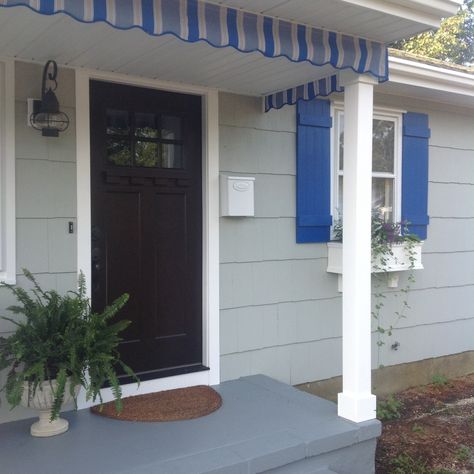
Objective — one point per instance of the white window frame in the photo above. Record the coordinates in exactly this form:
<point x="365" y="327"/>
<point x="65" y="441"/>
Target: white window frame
<point x="381" y="113"/>
<point x="7" y="172"/>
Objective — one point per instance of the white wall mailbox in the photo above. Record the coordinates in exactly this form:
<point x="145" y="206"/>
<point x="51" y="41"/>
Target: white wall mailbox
<point x="237" y="196"/>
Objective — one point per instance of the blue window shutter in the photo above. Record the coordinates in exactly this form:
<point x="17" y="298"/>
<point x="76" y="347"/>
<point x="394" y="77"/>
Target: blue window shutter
<point x="416" y="134"/>
<point x="313" y="171"/>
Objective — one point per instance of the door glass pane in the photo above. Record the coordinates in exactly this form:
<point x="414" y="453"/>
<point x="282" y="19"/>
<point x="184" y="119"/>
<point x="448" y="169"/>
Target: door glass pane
<point x="172" y="156"/>
<point x="170" y="127"/>
<point x="382" y="196"/>
<point x="118" y="152"/>
<point x="383" y="143"/>
<point x="118" y="122"/>
<point x="146" y="154"/>
<point x="145" y="125"/>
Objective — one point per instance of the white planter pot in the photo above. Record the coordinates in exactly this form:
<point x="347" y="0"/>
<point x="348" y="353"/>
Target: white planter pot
<point x="42" y="400"/>
<point x="398" y="262"/>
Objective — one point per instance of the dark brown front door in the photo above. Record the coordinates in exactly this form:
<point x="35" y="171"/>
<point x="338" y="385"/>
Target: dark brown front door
<point x="147" y="222"/>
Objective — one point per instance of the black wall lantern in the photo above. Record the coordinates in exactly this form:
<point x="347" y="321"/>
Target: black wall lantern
<point x="46" y="115"/>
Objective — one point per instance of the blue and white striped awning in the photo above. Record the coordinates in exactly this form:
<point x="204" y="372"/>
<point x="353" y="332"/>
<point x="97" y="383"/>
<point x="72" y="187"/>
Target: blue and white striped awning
<point x="221" y="26"/>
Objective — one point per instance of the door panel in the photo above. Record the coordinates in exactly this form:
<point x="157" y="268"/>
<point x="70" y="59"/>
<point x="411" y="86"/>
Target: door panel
<point x="147" y="222"/>
<point x="122" y="242"/>
<point x="171" y="263"/>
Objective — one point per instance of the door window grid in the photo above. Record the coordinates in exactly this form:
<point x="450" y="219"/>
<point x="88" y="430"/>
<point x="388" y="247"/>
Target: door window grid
<point x="386" y="157"/>
<point x="143" y="139"/>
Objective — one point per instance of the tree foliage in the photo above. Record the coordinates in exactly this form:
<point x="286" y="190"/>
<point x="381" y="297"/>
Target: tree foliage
<point x="452" y="42"/>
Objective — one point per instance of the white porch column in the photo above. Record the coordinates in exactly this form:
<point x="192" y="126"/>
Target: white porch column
<point x="356" y="401"/>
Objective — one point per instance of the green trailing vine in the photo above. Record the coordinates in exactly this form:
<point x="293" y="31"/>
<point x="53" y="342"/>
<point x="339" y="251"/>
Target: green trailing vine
<point x="384" y="236"/>
<point x="58" y="337"/>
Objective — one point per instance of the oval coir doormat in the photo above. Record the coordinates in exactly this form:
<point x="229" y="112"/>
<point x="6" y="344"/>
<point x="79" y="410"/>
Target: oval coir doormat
<point x="169" y="405"/>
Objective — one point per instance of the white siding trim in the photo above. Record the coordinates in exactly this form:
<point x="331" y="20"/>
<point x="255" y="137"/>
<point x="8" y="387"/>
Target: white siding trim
<point x="7" y="173"/>
<point x="211" y="349"/>
<point x="422" y="11"/>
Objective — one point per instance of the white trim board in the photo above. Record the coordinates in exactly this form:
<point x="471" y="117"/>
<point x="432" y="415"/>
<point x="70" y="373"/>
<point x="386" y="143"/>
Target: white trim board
<point x="428" y="12"/>
<point x="410" y="78"/>
<point x="210" y="153"/>
<point x="7" y="172"/>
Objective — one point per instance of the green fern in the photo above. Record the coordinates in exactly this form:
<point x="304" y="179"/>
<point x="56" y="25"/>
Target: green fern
<point x="58" y="337"/>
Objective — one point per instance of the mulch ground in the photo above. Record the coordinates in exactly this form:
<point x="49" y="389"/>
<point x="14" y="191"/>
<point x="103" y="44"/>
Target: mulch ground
<point x="435" y="431"/>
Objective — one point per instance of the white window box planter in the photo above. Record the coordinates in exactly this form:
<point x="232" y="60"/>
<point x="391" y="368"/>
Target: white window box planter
<point x="398" y="262"/>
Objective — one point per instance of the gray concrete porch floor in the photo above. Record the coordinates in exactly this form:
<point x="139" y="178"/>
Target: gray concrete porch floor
<point x="263" y="425"/>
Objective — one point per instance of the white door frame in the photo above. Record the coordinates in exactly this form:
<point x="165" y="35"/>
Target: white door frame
<point x="210" y="187"/>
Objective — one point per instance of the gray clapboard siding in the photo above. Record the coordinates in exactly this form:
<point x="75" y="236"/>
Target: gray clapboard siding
<point x="45" y="199"/>
<point x="257" y="327"/>
<point x="450" y="235"/>
<point x="460" y="169"/>
<point x="242" y="151"/>
<point x="266" y="278"/>
<point x="247" y="112"/>
<point x="429" y="340"/>
<point x="33" y="245"/>
<point x="442" y="270"/>
<point x="45" y="189"/>
<point x="451" y="200"/>
<point x="251" y="240"/>
<point x="429" y="306"/>
<point x="451" y="130"/>
<point x="259" y="283"/>
<point x="275" y="195"/>
<point x="291" y="364"/>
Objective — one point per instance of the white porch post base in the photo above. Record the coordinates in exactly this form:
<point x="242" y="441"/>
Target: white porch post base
<point x="357" y="407"/>
<point x="356" y="403"/>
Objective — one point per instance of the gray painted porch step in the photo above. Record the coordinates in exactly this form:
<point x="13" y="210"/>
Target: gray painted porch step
<point x="263" y="425"/>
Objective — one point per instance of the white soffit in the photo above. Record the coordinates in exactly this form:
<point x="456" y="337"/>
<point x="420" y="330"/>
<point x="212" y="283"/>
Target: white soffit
<point x="378" y="20"/>
<point x="30" y="36"/>
<point x="424" y="81"/>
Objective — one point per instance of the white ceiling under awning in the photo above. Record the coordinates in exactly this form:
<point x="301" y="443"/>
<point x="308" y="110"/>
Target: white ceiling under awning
<point x="384" y="21"/>
<point x="30" y="36"/>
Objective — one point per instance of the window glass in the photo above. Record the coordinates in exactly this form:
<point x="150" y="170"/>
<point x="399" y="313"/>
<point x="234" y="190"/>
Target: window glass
<point x="383" y="161"/>
<point x="119" y="152"/>
<point x="382" y="196"/>
<point x="145" y="125"/>
<point x="146" y="154"/>
<point x="117" y="122"/>
<point x="170" y="127"/>
<point x="339" y="197"/>
<point x="383" y="143"/>
<point x="172" y="156"/>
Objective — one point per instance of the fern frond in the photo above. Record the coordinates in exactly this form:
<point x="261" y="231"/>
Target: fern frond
<point x="61" y="380"/>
